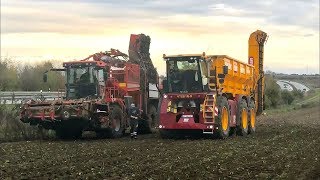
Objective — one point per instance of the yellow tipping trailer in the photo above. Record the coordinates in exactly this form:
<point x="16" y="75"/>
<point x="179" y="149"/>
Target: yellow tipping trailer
<point x="213" y="93"/>
<point x="239" y="78"/>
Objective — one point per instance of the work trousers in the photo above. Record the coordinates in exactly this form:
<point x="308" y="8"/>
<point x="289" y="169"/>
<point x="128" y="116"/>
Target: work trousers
<point x="134" y="127"/>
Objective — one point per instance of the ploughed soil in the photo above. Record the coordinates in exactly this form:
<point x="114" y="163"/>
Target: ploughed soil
<point x="285" y="146"/>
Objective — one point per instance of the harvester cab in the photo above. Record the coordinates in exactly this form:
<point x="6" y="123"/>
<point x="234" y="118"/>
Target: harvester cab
<point x="185" y="74"/>
<point x="83" y="79"/>
<point x="87" y="78"/>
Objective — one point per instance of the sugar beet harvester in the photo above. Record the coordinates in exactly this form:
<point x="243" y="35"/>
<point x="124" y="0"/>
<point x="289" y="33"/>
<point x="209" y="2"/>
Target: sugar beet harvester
<point x="99" y="90"/>
<point x="213" y="94"/>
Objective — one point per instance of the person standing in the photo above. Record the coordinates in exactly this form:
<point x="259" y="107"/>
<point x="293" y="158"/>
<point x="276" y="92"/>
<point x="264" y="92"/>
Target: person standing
<point x="134" y="114"/>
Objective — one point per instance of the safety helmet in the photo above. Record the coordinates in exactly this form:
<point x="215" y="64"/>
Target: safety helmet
<point x="132" y="105"/>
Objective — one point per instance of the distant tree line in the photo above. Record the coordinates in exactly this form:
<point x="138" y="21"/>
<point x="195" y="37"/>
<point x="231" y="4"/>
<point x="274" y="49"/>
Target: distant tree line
<point x="274" y="96"/>
<point x="28" y="78"/>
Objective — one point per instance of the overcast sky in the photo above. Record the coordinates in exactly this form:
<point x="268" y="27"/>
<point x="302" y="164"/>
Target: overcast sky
<point x="54" y="29"/>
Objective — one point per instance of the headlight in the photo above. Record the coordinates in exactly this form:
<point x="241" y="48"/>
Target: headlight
<point x="65" y="115"/>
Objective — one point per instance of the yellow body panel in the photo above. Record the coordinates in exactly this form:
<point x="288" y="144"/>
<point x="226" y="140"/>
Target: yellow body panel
<point x="253" y="50"/>
<point x="240" y="77"/>
<point x="256" y="43"/>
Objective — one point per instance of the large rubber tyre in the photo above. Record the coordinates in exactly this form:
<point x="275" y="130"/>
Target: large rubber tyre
<point x="223" y="118"/>
<point x="252" y="118"/>
<point x="152" y="117"/>
<point x="61" y="134"/>
<point x="103" y="133"/>
<point x="149" y="122"/>
<point x="117" y="120"/>
<point x="64" y="132"/>
<point x="242" y="118"/>
<point x="166" y="134"/>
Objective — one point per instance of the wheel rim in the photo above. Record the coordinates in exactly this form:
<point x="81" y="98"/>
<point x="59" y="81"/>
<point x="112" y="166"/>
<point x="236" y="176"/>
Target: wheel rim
<point x="253" y="118"/>
<point x="244" y="119"/>
<point x="224" y="118"/>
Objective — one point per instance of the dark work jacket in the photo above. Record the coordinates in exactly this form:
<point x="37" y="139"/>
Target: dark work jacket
<point x="134" y="111"/>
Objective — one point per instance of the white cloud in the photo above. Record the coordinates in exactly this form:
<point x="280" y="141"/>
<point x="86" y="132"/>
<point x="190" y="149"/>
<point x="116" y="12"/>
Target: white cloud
<point x="80" y="28"/>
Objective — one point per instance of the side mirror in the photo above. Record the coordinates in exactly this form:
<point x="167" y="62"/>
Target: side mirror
<point x="225" y="69"/>
<point x="45" y="76"/>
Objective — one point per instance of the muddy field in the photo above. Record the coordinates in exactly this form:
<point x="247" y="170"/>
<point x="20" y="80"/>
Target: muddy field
<point x="286" y="146"/>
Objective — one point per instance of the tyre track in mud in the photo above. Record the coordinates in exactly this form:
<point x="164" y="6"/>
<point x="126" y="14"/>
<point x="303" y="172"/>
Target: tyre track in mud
<point x="286" y="145"/>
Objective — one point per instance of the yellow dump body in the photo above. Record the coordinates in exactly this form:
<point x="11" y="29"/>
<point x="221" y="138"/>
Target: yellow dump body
<point x="242" y="78"/>
<point x="238" y="80"/>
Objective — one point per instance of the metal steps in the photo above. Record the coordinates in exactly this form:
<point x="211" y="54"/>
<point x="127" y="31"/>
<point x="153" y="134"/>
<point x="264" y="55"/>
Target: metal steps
<point x="212" y="80"/>
<point x="209" y="108"/>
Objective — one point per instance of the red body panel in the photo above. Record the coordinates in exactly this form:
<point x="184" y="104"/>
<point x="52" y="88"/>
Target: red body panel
<point x="168" y="120"/>
<point x="134" y="44"/>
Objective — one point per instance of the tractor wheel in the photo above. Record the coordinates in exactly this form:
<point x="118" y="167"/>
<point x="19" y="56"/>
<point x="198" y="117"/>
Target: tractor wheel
<point x="223" y="118"/>
<point x="117" y="122"/>
<point x="252" y="118"/>
<point x="77" y="134"/>
<point x="61" y="134"/>
<point x="152" y="117"/>
<point x="101" y="134"/>
<point x="68" y="133"/>
<point x="242" y="117"/>
<point x="166" y="134"/>
<point x="145" y="126"/>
